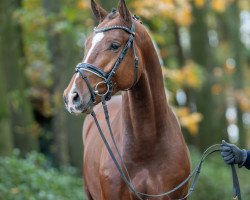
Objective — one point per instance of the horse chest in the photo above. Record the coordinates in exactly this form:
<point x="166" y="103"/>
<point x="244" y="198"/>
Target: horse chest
<point x="147" y="178"/>
<point x="114" y="186"/>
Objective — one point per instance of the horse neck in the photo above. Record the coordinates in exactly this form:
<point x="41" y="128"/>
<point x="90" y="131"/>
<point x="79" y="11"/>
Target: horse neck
<point x="145" y="106"/>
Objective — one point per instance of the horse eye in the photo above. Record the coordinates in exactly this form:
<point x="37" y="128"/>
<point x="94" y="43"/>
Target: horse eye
<point x="114" y="46"/>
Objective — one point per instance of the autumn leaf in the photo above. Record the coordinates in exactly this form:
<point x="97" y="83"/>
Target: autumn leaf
<point x="216" y="89"/>
<point x="199" y="3"/>
<point x="189" y="120"/>
<point x="82" y="5"/>
<point x="218" y="5"/>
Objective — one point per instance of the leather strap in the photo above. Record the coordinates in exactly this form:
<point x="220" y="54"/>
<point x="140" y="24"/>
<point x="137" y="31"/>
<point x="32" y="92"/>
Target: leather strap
<point x="107" y="76"/>
<point x="92" y="93"/>
<point x="100" y="30"/>
<point x="120" y="58"/>
<point x="92" y="69"/>
<point x="236" y="185"/>
<point x="81" y="67"/>
<point x="194" y="175"/>
<point x="113" y="157"/>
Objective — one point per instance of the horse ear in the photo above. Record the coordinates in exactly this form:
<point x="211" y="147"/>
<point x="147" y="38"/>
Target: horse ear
<point x="99" y="12"/>
<point x="124" y="12"/>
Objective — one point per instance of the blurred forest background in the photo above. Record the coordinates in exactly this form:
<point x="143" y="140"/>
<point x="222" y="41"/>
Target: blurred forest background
<point x="205" y="52"/>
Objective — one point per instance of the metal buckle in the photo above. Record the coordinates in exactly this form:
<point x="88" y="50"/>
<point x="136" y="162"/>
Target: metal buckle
<point x="96" y="89"/>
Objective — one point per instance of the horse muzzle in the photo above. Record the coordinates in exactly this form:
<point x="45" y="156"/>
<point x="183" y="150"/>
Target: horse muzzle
<point x="77" y="103"/>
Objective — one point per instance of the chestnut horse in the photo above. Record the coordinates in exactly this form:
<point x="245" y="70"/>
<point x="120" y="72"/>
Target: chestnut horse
<point x="145" y="128"/>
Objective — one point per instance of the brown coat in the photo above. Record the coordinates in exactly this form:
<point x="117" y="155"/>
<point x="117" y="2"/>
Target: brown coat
<point x="146" y="130"/>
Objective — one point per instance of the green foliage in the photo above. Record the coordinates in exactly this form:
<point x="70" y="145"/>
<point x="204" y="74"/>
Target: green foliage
<point x="33" y="178"/>
<point x="34" y="22"/>
<point x="215" y="180"/>
<point x="39" y="25"/>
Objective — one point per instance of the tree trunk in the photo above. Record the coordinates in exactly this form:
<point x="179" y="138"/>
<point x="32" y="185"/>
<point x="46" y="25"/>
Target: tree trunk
<point x="213" y="123"/>
<point x="6" y="142"/>
<point x="22" y="121"/>
<point x="74" y="127"/>
<point x="232" y="24"/>
<point x="67" y="129"/>
<point x="55" y="45"/>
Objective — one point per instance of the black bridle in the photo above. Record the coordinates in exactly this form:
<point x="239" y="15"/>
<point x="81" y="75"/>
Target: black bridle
<point x="107" y="80"/>
<point x="107" y="76"/>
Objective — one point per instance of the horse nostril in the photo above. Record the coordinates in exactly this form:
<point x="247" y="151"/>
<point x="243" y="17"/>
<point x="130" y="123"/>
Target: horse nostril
<point x="76" y="97"/>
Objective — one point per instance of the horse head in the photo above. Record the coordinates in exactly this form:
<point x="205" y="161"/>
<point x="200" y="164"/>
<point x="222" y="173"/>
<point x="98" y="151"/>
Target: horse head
<point x="112" y="60"/>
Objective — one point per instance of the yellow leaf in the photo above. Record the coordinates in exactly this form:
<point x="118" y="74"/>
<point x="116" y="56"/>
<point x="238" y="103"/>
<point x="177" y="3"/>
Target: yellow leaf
<point x="191" y="76"/>
<point x="244" y="104"/>
<point x="216" y="89"/>
<point x="184" y="16"/>
<point x="167" y="1"/>
<point x="183" y="112"/>
<point x="199" y="3"/>
<point x="191" y="121"/>
<point x="219" y="5"/>
<point x="82" y="5"/>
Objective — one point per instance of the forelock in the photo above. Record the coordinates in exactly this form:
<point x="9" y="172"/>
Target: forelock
<point x="112" y="14"/>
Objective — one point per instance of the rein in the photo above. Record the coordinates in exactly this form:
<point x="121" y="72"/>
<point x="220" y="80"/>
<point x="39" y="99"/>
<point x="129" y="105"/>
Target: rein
<point x="105" y="96"/>
<point x="194" y="175"/>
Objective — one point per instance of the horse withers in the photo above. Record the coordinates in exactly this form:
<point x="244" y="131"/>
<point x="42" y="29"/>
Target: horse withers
<point x="120" y="56"/>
